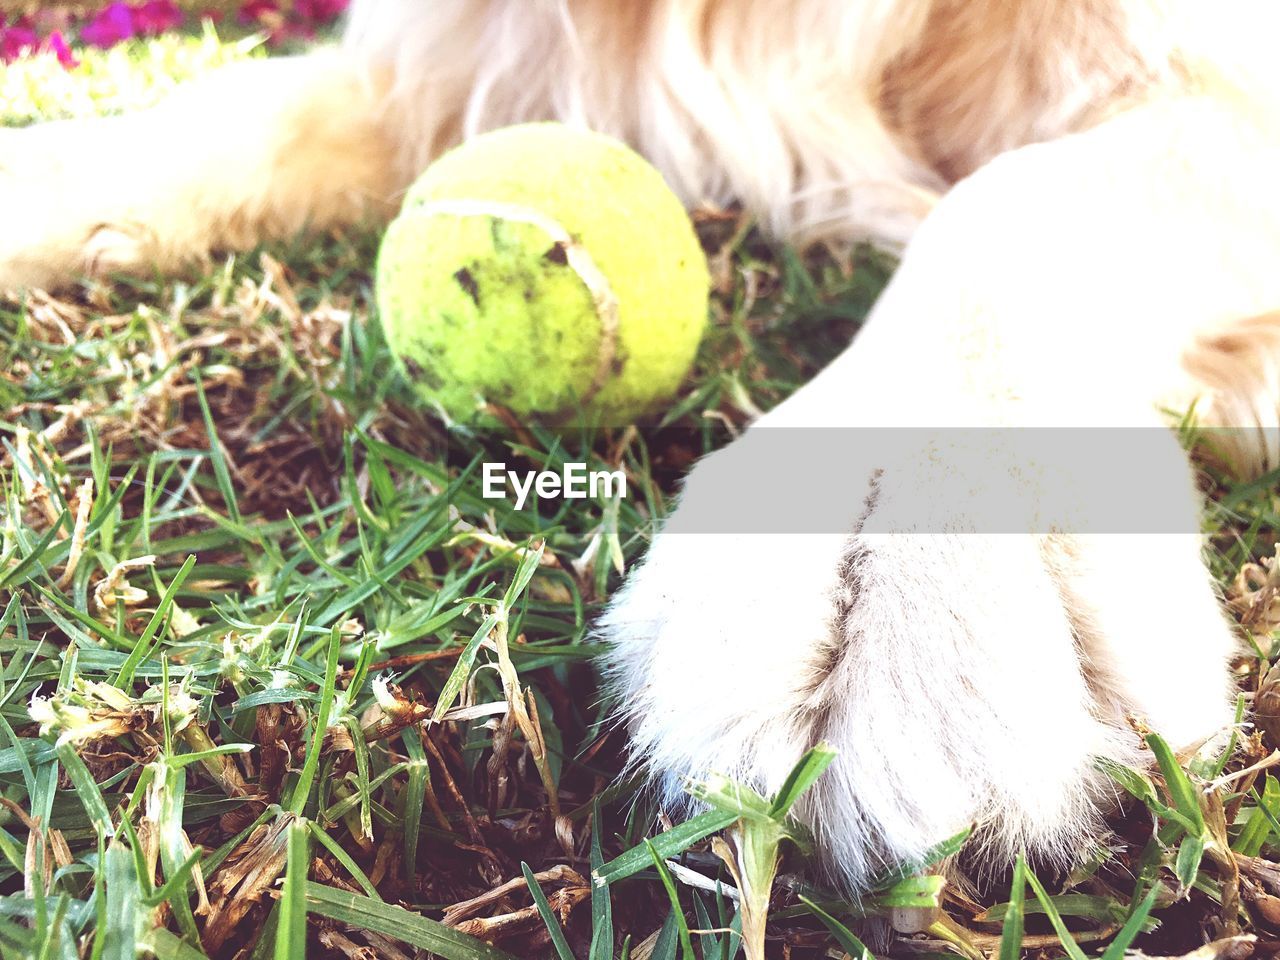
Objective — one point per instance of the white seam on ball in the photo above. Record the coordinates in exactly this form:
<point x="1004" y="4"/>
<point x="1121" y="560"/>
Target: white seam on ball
<point x="576" y="256"/>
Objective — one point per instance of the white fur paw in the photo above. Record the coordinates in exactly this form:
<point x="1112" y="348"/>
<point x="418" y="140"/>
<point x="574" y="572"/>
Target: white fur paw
<point x="46" y="237"/>
<point x="964" y="678"/>
<point x="113" y="249"/>
<point x="66" y="216"/>
<point x="38" y="252"/>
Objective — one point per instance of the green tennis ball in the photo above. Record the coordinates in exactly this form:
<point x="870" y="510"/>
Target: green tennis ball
<point x="547" y="270"/>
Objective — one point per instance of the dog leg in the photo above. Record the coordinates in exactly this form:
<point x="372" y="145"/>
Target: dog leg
<point x="252" y="152"/>
<point x="939" y="656"/>
<point x="1159" y="662"/>
<point x="967" y="674"/>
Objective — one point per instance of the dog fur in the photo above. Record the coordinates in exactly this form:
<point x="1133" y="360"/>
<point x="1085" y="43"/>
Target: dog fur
<point x="1085" y="194"/>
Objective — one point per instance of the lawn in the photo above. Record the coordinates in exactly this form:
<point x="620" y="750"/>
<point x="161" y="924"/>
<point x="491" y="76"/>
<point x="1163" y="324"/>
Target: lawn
<point x="276" y="677"/>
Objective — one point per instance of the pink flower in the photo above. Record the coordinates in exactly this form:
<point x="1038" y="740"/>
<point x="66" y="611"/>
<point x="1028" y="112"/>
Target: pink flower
<point x="121" y="20"/>
<point x="156" y="16"/>
<point x="16" y="40"/>
<point x="20" y="39"/>
<point x="110" y="26"/>
<point x="293" y="32"/>
<point x="57" y="45"/>
<point x="322" y="10"/>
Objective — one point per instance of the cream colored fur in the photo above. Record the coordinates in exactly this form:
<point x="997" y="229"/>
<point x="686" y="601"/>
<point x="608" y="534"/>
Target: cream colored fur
<point x="259" y="150"/>
<point x="1111" y="249"/>
<point x="970" y="677"/>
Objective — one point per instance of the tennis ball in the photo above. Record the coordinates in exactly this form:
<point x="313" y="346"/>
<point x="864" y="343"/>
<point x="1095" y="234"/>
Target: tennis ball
<point x="548" y="270"/>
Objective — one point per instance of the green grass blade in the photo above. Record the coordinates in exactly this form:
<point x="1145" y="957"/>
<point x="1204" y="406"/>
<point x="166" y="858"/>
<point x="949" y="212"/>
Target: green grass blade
<point x="1011" y="931"/>
<point x="670" y="843"/>
<point x="1134" y="782"/>
<point x="59" y="941"/>
<point x="1264" y="819"/>
<point x="291" y="933"/>
<point x="802" y="776"/>
<point x="405" y="925"/>
<point x="548" y="917"/>
<point x="19" y="753"/>
<point x="344" y="858"/>
<point x="1055" y="919"/>
<point x="216" y="456"/>
<point x="124" y="678"/>
<point x="668" y="939"/>
<point x="686" y="941"/>
<point x="123" y="913"/>
<point x="167" y="946"/>
<point x="1101" y="910"/>
<point x="302" y="789"/>
<point x="731" y="945"/>
<point x="912" y="893"/>
<point x="709" y="945"/>
<point x="198" y="756"/>
<point x="86" y="789"/>
<point x="176" y="885"/>
<point x="1186" y="798"/>
<point x="1214" y="770"/>
<point x="524" y="573"/>
<point x="1190" y="856"/>
<point x="462" y="669"/>
<point x="907" y="871"/>
<point x="849" y="943"/>
<point x="415" y="792"/>
<point x="170" y="789"/>
<point x="1119" y="947"/>
<point x="18" y="572"/>
<point x="601" y="898"/>
<point x="730" y="797"/>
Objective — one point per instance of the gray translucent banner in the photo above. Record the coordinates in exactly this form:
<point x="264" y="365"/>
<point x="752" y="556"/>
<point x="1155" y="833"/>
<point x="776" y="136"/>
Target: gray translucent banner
<point x="877" y="481"/>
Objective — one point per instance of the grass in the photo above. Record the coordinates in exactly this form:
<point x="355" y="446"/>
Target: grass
<point x="241" y="571"/>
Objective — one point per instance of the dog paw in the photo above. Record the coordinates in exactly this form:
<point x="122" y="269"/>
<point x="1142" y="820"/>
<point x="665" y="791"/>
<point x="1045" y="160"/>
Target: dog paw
<point x="965" y="678"/>
<point x="78" y="202"/>
<point x="111" y="249"/>
<point x="51" y="219"/>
